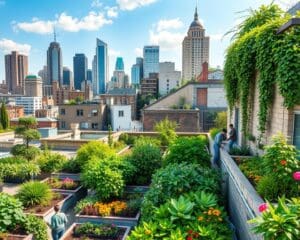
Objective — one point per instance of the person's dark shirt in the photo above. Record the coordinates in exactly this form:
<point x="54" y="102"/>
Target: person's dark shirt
<point x="232" y="134"/>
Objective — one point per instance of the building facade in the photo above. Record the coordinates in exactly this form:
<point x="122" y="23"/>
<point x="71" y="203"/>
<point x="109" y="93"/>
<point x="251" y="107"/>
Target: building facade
<point x="168" y="78"/>
<point x="15" y="111"/>
<point x="151" y="60"/>
<point x="54" y="64"/>
<point x="33" y="86"/>
<point x="68" y="80"/>
<point x="149" y="86"/>
<point x="121" y="118"/>
<point x="195" y="50"/>
<point x="80" y="65"/>
<point x="101" y="67"/>
<point x="137" y="72"/>
<point x="30" y="104"/>
<point x="88" y="116"/>
<point x="16" y="69"/>
<point x="89" y="75"/>
<point x="119" y="64"/>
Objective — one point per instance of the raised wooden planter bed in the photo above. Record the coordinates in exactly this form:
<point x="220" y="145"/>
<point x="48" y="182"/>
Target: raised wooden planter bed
<point x="69" y="232"/>
<point x="18" y="237"/>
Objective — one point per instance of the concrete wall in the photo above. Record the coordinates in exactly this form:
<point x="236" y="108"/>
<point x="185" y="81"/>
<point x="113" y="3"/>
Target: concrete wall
<point x="216" y="98"/>
<point x="121" y="122"/>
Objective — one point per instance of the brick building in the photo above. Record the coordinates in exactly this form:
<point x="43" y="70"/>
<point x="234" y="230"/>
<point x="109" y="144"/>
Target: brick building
<point x="149" y="86"/>
<point x="15" y="111"/>
<point x="41" y="122"/>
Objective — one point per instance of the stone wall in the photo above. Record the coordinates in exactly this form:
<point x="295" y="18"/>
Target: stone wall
<point x="187" y="120"/>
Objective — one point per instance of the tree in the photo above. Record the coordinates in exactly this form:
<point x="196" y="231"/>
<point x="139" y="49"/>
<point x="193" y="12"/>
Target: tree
<point x="110" y="137"/>
<point x="166" y="130"/>
<point x="27" y="130"/>
<point x="221" y="120"/>
<point x="4" y="117"/>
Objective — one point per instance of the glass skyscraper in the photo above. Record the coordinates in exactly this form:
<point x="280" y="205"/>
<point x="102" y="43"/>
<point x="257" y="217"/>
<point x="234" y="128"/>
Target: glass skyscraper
<point x="80" y="64"/>
<point x="151" y="60"/>
<point x="54" y="63"/>
<point x="67" y="77"/>
<point x="89" y="75"/>
<point x="102" y="66"/>
<point x="119" y="64"/>
<point x="137" y="71"/>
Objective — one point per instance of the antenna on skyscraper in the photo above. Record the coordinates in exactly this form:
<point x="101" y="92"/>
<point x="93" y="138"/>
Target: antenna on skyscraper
<point x="54" y="32"/>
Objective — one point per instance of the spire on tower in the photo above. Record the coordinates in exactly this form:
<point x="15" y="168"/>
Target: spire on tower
<point x="54" y="32"/>
<point x="196" y="12"/>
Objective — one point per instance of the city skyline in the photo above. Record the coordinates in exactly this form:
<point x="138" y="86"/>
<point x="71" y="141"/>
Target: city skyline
<point x="160" y="22"/>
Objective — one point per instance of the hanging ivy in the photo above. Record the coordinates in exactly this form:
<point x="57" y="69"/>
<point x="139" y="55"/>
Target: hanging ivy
<point x="276" y="58"/>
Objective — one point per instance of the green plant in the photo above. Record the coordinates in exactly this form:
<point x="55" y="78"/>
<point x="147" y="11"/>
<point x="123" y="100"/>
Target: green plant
<point x="213" y="132"/>
<point x="99" y="230"/>
<point x="18" y="171"/>
<point x="146" y="159"/>
<point x="92" y="149"/>
<point x="99" y="176"/>
<point x="36" y="226"/>
<point x="280" y="221"/>
<point x="4" y="117"/>
<point x="240" y="151"/>
<point x="51" y="162"/>
<point x="268" y="187"/>
<point x="35" y="193"/>
<point x="127" y="168"/>
<point x="11" y="213"/>
<point x="181" y="208"/>
<point x="167" y="131"/>
<point x="221" y="120"/>
<point x="90" y="200"/>
<point x="190" y="150"/>
<point x="128" y="139"/>
<point x="29" y="153"/>
<point x="110" y="137"/>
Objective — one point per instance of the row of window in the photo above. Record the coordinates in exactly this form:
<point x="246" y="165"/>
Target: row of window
<point x="83" y="125"/>
<point x="79" y="112"/>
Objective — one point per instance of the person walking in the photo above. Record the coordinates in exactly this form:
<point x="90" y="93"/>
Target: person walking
<point x="58" y="223"/>
<point x="221" y="136"/>
<point x="232" y="136"/>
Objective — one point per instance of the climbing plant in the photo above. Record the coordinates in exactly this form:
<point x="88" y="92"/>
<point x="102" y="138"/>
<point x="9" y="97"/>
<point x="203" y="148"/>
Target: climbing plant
<point x="259" y="52"/>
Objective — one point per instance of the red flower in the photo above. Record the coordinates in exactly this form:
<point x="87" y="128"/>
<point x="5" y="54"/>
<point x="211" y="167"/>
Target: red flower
<point x="189" y="238"/>
<point x="262" y="207"/>
<point x="283" y="162"/>
<point x="190" y="232"/>
<point x="296" y="176"/>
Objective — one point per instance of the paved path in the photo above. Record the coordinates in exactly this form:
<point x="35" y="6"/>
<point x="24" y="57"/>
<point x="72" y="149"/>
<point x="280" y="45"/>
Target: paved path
<point x="11" y="188"/>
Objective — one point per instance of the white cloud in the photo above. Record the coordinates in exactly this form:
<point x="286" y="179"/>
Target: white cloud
<point x="165" y="24"/>
<point x="129" y="5"/>
<point x="96" y="4"/>
<point x="216" y="37"/>
<point x="286" y="4"/>
<point x="36" y="26"/>
<point x="113" y="53"/>
<point x="138" y="52"/>
<point x="112" y="12"/>
<point x="166" y="40"/>
<point x="7" y="46"/>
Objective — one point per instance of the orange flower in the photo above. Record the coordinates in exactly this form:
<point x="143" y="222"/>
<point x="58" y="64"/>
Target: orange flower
<point x="147" y="232"/>
<point x="283" y="162"/>
<point x="200" y="218"/>
<point x="216" y="212"/>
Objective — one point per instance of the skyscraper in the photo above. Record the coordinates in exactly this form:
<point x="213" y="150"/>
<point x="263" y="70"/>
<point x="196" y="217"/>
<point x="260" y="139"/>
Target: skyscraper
<point x="95" y="78"/>
<point x="151" y="60"/>
<point x="137" y="72"/>
<point x="16" y="69"/>
<point x="119" y="64"/>
<point x="195" y="50"/>
<point x="80" y="64"/>
<point x="89" y="75"/>
<point x="54" y="63"/>
<point x="102" y="66"/>
<point x="68" y="78"/>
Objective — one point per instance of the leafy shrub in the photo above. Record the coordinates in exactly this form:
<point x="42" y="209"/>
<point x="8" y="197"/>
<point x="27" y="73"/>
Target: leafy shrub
<point x="35" y="193"/>
<point x="213" y="132"/>
<point x="91" y="149"/>
<point x="175" y="180"/>
<point x="252" y="168"/>
<point x="127" y="168"/>
<point x="19" y="171"/>
<point x="280" y="221"/>
<point x="11" y="213"/>
<point x="166" y="130"/>
<point x="221" y="120"/>
<point x="71" y="166"/>
<point x="146" y="159"/>
<point x="29" y="153"/>
<point x="87" y="230"/>
<point x="99" y="176"/>
<point x="240" y="151"/>
<point x="267" y="187"/>
<point x="142" y="140"/>
<point x="90" y="200"/>
<point x="127" y="139"/>
<point x="13" y="160"/>
<point x="190" y="150"/>
<point x="51" y="162"/>
<point x="36" y="226"/>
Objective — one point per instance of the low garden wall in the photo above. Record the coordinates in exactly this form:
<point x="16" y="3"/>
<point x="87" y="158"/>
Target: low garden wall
<point x="242" y="200"/>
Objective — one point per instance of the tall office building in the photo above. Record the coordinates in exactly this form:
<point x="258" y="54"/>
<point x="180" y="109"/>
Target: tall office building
<point x="137" y="72"/>
<point x="16" y="69"/>
<point x="195" y="50"/>
<point x="94" y="70"/>
<point x="151" y="60"/>
<point x="68" y="78"/>
<point x="119" y="64"/>
<point x="89" y="75"/>
<point x="33" y="86"/>
<point x="168" y="77"/>
<point x="54" y="63"/>
<point x="101" y="66"/>
<point x="80" y="65"/>
<point x="43" y="74"/>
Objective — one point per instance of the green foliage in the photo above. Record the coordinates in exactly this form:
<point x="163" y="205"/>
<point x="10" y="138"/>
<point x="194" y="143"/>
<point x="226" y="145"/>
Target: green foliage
<point x="18" y="171"/>
<point x="280" y="221"/>
<point x="103" y="176"/>
<point x="258" y="52"/>
<point x="87" y="230"/>
<point x="36" y="226"/>
<point x="190" y="150"/>
<point x="127" y="139"/>
<point x="110" y="137"/>
<point x="268" y="188"/>
<point x="35" y="193"/>
<point x="146" y="159"/>
<point x="252" y="168"/>
<point x="167" y="131"/>
<point x="128" y="170"/>
<point x="92" y="149"/>
<point x="51" y="162"/>
<point x="90" y="200"/>
<point x="240" y="151"/>
<point x="11" y="213"/>
<point x="221" y="120"/>
<point x="21" y="150"/>
<point x="214" y="131"/>
<point x="175" y="180"/>
<point x="4" y="117"/>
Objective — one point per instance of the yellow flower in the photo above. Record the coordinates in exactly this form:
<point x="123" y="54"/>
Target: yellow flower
<point x="147" y="232"/>
<point x="220" y="219"/>
<point x="200" y="218"/>
<point x="216" y="212"/>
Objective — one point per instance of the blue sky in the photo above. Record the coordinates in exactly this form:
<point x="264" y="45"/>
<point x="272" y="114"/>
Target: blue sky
<point x="125" y="25"/>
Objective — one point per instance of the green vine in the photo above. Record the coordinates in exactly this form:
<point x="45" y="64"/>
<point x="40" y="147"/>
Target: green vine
<point x="275" y="58"/>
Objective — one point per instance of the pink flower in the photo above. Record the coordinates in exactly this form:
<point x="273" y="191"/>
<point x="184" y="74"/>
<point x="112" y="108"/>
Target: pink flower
<point x="296" y="176"/>
<point x="262" y="207"/>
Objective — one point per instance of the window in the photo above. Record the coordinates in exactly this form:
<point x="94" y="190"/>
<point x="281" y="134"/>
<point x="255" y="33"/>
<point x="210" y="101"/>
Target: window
<point x="296" y="139"/>
<point x="94" y="113"/>
<point x="84" y="125"/>
<point x="63" y="124"/>
<point x="62" y="111"/>
<point x="121" y="113"/>
<point x="95" y="125"/>
<point x="79" y="112"/>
